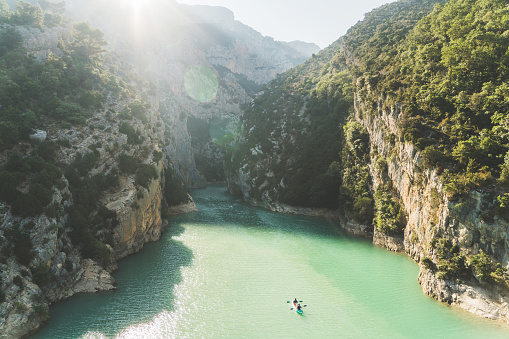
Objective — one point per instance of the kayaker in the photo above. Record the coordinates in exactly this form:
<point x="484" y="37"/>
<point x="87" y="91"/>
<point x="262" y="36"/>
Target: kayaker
<point x="299" y="307"/>
<point x="295" y="301"/>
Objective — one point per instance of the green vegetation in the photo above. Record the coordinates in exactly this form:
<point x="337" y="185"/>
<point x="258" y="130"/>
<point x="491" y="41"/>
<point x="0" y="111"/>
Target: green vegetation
<point x="450" y="73"/>
<point x="355" y="199"/>
<point x="389" y="216"/>
<point x="63" y="90"/>
<point x="294" y="131"/>
<point x="22" y="247"/>
<point x="127" y="164"/>
<point x="175" y="191"/>
<point x="451" y="262"/>
<point x="145" y="174"/>
<point x="485" y="270"/>
<point x="41" y="274"/>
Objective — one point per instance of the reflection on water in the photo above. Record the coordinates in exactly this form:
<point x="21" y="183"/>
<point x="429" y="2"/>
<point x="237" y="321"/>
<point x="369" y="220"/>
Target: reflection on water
<point x="229" y="270"/>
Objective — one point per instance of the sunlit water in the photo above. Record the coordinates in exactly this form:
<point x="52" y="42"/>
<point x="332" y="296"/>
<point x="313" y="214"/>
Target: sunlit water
<point x="229" y="270"/>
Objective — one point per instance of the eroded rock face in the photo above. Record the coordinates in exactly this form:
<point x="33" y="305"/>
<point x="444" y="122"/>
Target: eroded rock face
<point x="41" y="42"/>
<point x="430" y="215"/>
<point x="139" y="216"/>
<point x="94" y="278"/>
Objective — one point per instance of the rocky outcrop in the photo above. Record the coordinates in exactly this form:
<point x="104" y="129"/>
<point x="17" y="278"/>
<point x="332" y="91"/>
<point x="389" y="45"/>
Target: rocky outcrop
<point x="94" y="278"/>
<point x="41" y="43"/>
<point x="139" y="216"/>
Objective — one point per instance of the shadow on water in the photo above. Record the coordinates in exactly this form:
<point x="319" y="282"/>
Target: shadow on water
<point x="134" y="301"/>
<point x="218" y="207"/>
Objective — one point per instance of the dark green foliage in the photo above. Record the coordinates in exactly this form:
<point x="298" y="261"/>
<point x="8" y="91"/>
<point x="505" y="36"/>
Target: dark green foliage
<point x="91" y="99"/>
<point x="69" y="267"/>
<point x="427" y="263"/>
<point x="22" y="247"/>
<point x="47" y="150"/>
<point x="389" y="217"/>
<point x="42" y="310"/>
<point x="450" y="73"/>
<point x="82" y="235"/>
<point x="41" y="275"/>
<point x="157" y="156"/>
<point x="107" y="216"/>
<point x="138" y="108"/>
<point x="41" y="193"/>
<point x="8" y="133"/>
<point x="451" y="262"/>
<point x="18" y="281"/>
<point x="502" y="207"/>
<point x="53" y="211"/>
<point x="88" y="43"/>
<point x="355" y="199"/>
<point x="127" y="164"/>
<point x="145" y="174"/>
<point x="8" y="182"/>
<point x="85" y="163"/>
<point x="27" y="205"/>
<point x="294" y="131"/>
<point x="485" y="270"/>
<point x="175" y="191"/>
<point x="432" y="157"/>
<point x="133" y="136"/>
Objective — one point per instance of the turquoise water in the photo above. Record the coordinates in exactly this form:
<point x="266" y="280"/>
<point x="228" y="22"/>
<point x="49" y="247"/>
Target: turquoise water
<point x="229" y="270"/>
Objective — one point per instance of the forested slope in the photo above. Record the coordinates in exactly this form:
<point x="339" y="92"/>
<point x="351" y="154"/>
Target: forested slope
<point x="404" y="131"/>
<point x="80" y="162"/>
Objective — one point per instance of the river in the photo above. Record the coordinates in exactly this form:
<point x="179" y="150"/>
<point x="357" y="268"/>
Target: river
<point x="229" y="270"/>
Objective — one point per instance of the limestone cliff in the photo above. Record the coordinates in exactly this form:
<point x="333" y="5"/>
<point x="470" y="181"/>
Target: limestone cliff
<point x="432" y="216"/>
<point x="39" y="263"/>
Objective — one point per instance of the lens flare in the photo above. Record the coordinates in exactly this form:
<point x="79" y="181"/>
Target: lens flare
<point x="201" y="84"/>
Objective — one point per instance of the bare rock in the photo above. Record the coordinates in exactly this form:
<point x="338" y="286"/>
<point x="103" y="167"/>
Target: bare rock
<point x="94" y="278"/>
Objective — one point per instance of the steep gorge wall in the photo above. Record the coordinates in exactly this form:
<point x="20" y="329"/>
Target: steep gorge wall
<point x="431" y="217"/>
<point x="57" y="269"/>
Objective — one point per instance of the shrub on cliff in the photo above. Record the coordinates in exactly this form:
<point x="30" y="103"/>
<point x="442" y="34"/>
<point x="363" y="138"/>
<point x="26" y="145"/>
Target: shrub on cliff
<point x="127" y="164"/>
<point x="175" y="190"/>
<point x="22" y="244"/>
<point x="145" y="174"/>
<point x="41" y="275"/>
<point x="389" y="216"/>
<point x="133" y="136"/>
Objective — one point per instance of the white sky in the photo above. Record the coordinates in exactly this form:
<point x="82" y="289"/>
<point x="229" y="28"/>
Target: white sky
<point x="318" y="21"/>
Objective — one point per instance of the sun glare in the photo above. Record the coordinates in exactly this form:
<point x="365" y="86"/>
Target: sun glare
<point x="136" y="4"/>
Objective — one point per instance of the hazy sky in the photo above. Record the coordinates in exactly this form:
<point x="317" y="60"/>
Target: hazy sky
<point x="318" y="21"/>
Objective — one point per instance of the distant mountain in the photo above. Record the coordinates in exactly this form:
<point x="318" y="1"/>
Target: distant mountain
<point x="164" y="40"/>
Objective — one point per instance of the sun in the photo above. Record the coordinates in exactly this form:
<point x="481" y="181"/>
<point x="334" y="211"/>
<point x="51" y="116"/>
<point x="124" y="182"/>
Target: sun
<point x="136" y="4"/>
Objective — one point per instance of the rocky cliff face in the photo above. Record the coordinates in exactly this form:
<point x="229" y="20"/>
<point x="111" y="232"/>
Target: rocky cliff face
<point x="431" y="218"/>
<point x="137" y="211"/>
<point x="56" y="268"/>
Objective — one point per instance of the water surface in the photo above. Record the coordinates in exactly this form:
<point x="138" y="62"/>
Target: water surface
<point x="228" y="271"/>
